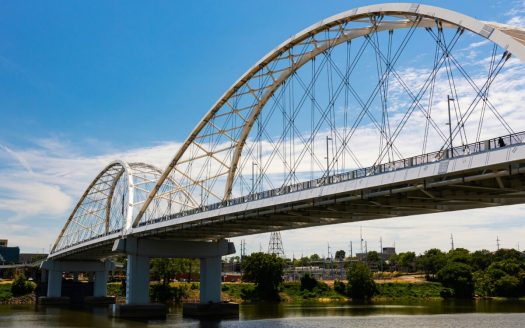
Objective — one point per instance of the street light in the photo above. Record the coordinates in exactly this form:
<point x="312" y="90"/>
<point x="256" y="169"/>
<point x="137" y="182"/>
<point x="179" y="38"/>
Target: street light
<point x="327" y="160"/>
<point x="449" y="99"/>
<point x="253" y="176"/>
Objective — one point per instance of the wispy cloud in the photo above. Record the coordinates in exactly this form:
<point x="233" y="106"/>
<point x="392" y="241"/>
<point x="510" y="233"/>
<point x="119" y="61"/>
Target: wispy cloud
<point x="40" y="184"/>
<point x="516" y="16"/>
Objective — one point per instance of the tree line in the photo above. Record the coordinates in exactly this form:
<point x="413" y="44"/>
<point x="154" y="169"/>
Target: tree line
<point x="464" y="274"/>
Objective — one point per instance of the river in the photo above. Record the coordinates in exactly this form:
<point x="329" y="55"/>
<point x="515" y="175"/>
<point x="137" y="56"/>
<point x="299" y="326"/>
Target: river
<point x="467" y="314"/>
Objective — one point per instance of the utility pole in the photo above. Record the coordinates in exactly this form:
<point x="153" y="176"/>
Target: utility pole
<point x="381" y="246"/>
<point x="497" y="242"/>
<point x="451" y="242"/>
<point x="366" y="252"/>
<point x="351" y="255"/>
<point x="329" y="262"/>
<point x="361" y="234"/>
<point x="449" y="99"/>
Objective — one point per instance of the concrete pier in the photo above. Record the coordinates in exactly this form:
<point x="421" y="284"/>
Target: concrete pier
<point x="139" y="251"/>
<point x="95" y="269"/>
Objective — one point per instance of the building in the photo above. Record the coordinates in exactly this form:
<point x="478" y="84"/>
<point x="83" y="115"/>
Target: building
<point x="388" y="252"/>
<point x="9" y="255"/>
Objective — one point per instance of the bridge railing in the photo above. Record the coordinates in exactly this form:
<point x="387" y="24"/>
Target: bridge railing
<point x="458" y="151"/>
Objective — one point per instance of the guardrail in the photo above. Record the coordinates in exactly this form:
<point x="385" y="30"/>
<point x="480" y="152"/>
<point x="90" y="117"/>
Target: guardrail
<point x="458" y="151"/>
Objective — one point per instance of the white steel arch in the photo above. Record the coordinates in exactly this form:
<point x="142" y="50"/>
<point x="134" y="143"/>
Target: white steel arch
<point x="275" y="68"/>
<point x="109" y="203"/>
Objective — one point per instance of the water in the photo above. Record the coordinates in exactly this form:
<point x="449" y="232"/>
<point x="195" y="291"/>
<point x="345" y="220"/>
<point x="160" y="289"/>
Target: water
<point x="467" y="314"/>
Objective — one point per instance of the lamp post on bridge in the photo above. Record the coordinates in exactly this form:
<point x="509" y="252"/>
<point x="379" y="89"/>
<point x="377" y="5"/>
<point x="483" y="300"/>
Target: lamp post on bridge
<point x="253" y="177"/>
<point x="449" y="99"/>
<point x="327" y="157"/>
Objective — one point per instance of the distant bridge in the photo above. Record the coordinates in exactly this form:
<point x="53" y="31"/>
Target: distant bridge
<point x="382" y="111"/>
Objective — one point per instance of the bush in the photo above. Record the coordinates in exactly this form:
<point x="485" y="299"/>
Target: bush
<point x="160" y="293"/>
<point x="457" y="276"/>
<point x="21" y="286"/>
<point x="360" y="283"/>
<point x="165" y="293"/>
<point x="308" y="283"/>
<point x="340" y="287"/>
<point x="447" y="293"/>
<point x="507" y="286"/>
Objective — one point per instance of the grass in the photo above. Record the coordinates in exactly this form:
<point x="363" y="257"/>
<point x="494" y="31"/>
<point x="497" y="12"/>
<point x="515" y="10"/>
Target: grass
<point x="234" y="291"/>
<point x="409" y="290"/>
<point x="5" y="292"/>
<point x="291" y="292"/>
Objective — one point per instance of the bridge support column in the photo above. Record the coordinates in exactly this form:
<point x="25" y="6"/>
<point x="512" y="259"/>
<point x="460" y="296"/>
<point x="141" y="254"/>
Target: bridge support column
<point x="54" y="283"/>
<point x="100" y="287"/>
<point x="210" y="284"/>
<point x="137" y="280"/>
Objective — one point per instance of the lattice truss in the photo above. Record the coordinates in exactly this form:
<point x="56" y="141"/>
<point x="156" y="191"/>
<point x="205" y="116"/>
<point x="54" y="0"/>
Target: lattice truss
<point x="109" y="202"/>
<point x="355" y="92"/>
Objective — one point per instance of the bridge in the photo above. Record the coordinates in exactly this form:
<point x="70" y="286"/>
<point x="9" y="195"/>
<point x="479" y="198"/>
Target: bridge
<point x="382" y="111"/>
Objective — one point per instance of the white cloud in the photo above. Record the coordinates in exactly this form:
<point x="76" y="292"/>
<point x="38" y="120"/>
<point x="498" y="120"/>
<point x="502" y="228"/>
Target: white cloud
<point x="42" y="183"/>
<point x="516" y="14"/>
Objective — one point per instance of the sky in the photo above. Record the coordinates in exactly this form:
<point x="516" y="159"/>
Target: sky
<point x="85" y="83"/>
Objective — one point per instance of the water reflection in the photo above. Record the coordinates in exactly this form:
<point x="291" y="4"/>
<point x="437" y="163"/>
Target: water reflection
<point x="475" y="314"/>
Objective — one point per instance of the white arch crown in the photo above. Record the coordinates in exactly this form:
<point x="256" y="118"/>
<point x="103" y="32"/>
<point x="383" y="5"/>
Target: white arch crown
<point x="213" y="157"/>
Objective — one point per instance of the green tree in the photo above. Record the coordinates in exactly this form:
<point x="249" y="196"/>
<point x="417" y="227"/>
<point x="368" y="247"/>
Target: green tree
<point x="304" y="261"/>
<point x="431" y="262"/>
<point x="167" y="269"/>
<point x="483" y="284"/>
<point x="458" y="277"/>
<point x="393" y="262"/>
<point x="266" y="271"/>
<point x="507" y="254"/>
<point x="459" y="255"/>
<point x="161" y="270"/>
<point x="481" y="259"/>
<point x="407" y="261"/>
<point x="315" y="257"/>
<point x="507" y="286"/>
<point x="340" y="255"/>
<point x="360" y="283"/>
<point x="373" y="257"/>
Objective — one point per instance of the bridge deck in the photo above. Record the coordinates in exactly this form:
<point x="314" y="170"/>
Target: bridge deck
<point x="477" y="175"/>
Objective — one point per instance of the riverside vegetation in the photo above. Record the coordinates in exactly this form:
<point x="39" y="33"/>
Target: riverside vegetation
<point x="454" y="274"/>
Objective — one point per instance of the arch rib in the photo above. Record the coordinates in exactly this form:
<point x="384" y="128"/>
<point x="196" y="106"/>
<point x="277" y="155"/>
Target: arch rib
<point x="509" y="39"/>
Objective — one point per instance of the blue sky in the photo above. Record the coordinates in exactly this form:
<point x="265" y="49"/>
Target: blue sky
<point x="83" y="83"/>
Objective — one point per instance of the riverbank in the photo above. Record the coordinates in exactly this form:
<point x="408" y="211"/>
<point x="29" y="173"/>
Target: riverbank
<point x="290" y="293"/>
<point x="6" y="297"/>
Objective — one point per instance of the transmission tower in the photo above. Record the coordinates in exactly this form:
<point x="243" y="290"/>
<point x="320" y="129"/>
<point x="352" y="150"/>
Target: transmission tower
<point x="276" y="244"/>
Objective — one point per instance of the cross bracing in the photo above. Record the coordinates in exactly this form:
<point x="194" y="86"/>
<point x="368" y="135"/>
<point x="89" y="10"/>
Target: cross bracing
<point x="357" y="93"/>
